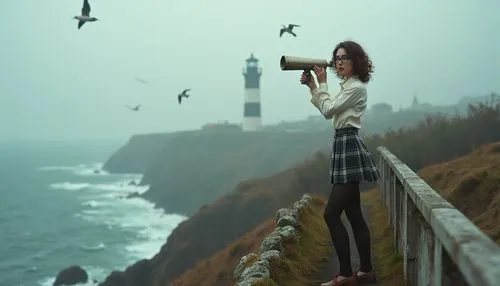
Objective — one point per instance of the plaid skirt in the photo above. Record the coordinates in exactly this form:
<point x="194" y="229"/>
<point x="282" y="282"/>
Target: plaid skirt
<point x="351" y="160"/>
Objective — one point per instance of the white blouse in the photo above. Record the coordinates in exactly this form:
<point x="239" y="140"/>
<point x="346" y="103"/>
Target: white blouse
<point x="346" y="108"/>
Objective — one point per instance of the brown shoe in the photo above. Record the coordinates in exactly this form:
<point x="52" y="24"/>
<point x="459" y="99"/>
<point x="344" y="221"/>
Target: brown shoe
<point x="348" y="281"/>
<point x="366" y="278"/>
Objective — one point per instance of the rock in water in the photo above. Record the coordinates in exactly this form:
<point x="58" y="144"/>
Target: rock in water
<point x="71" y="276"/>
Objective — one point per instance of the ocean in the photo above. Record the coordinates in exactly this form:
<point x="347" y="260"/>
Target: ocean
<point x="55" y="211"/>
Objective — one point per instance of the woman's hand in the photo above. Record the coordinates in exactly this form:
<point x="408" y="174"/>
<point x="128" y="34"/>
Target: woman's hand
<point x="320" y="74"/>
<point x="307" y="79"/>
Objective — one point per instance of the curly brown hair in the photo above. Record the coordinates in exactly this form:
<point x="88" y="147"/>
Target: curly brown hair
<point x="362" y="65"/>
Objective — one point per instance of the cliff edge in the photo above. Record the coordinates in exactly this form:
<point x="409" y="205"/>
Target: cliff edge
<point x="226" y="220"/>
<point x="472" y="184"/>
<point x="294" y="252"/>
<point x="137" y="154"/>
<point x="195" y="169"/>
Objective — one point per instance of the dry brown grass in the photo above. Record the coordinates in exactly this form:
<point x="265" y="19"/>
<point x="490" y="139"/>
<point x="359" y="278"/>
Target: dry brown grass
<point x="233" y="215"/>
<point x="218" y="269"/>
<point x="472" y="184"/>
<point x="300" y="260"/>
<point x="389" y="265"/>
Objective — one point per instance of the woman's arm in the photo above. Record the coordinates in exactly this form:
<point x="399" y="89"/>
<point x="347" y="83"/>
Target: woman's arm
<point x="347" y="98"/>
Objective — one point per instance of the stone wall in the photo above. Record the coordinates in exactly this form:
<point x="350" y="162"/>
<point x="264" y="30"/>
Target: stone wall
<point x="256" y="267"/>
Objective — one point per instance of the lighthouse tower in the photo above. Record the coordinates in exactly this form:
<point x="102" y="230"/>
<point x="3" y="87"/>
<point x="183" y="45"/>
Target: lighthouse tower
<point x="251" y="113"/>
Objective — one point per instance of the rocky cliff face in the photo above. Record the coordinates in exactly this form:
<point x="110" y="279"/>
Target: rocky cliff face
<point x="230" y="217"/>
<point x="137" y="155"/>
<point x="218" y="269"/>
<point x="197" y="168"/>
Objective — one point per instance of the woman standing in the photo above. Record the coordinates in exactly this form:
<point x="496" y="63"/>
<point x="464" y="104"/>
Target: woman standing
<point x="351" y="161"/>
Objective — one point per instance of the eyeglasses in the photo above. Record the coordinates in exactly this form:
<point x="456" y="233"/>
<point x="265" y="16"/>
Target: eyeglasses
<point x="342" y="58"/>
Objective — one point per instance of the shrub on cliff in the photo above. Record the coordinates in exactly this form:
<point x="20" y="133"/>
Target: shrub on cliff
<point x="441" y="138"/>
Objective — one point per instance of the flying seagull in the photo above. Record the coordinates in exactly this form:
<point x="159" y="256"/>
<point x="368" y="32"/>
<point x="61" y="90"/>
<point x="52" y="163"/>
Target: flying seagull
<point x="141" y="80"/>
<point x="183" y="94"/>
<point x="85" y="17"/>
<point x="288" y="29"/>
<point x="135" y="108"/>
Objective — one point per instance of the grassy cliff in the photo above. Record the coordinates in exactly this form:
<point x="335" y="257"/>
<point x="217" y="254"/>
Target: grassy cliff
<point x="197" y="168"/>
<point x="137" y="154"/>
<point x="218" y="269"/>
<point x="298" y="259"/>
<point x="388" y="264"/>
<point x="176" y="165"/>
<point x="472" y="184"/>
<point x="214" y="226"/>
<point x="441" y="138"/>
<point x="294" y="252"/>
<point x="254" y="201"/>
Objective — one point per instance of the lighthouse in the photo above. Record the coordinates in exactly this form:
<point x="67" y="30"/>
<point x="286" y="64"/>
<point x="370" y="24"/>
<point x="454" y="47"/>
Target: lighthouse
<point x="251" y="111"/>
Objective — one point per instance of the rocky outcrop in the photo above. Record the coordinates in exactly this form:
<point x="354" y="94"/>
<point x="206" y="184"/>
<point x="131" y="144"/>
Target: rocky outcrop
<point x="136" y="274"/>
<point x="71" y="276"/>
<point x="256" y="267"/>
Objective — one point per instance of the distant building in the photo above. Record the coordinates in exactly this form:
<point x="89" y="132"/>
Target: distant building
<point x="221" y="126"/>
<point x="381" y="108"/>
<point x="251" y="110"/>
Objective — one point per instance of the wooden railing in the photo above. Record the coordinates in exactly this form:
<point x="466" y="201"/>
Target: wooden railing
<point x="439" y="244"/>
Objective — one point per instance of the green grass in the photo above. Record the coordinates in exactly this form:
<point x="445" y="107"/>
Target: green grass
<point x="265" y="282"/>
<point x="303" y="258"/>
<point x="388" y="264"/>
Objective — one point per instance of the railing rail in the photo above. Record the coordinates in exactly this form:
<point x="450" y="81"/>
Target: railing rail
<point x="425" y="224"/>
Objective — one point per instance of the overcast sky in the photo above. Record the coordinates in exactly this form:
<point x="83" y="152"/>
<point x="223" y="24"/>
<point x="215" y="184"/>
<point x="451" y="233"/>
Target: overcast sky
<point x="58" y="82"/>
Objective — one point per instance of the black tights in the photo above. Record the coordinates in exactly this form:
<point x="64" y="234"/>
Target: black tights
<point x="346" y="197"/>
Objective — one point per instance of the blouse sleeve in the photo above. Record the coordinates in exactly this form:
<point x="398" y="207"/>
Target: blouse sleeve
<point x="347" y="98"/>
